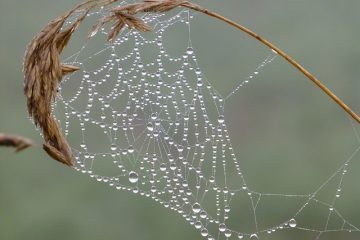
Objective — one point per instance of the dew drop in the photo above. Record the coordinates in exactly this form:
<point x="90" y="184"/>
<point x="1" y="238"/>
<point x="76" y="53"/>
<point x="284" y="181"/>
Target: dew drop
<point x="222" y="227"/>
<point x="221" y="119"/>
<point x="173" y="166"/>
<point x="254" y="237"/>
<point x="113" y="147"/>
<point x="190" y="51"/>
<point x="150" y="127"/>
<point x="227" y="233"/>
<point x="133" y="177"/>
<point x="204" y="232"/>
<point x="203" y="214"/>
<point x="227" y="209"/>
<point x="131" y="149"/>
<point x="292" y="223"/>
<point x="198" y="225"/>
<point x="196" y="208"/>
<point x="163" y="167"/>
<point x="211" y="179"/>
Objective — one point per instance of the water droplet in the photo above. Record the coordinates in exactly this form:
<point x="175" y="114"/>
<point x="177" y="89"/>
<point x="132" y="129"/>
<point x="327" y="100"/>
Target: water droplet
<point x="150" y="127"/>
<point x="227" y="233"/>
<point x="222" y="227"/>
<point x="211" y="179"/>
<point x="254" y="237"/>
<point x="292" y="223"/>
<point x="204" y="232"/>
<point x="190" y="50"/>
<point x="113" y="147"/>
<point x="240" y="236"/>
<point x="133" y="177"/>
<point x="221" y="119"/>
<point x="131" y="149"/>
<point x="173" y="166"/>
<point x="163" y="167"/>
<point x="196" y="208"/>
<point x="203" y="214"/>
<point x="198" y="225"/>
<point x="227" y="209"/>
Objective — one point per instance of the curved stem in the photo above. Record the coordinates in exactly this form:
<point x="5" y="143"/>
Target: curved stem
<point x="278" y="51"/>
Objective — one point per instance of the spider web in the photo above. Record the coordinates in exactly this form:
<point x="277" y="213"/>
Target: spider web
<point x="146" y="121"/>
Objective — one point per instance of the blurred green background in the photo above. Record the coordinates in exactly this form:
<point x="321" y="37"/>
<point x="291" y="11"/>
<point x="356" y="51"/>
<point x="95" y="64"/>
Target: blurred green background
<point x="288" y="135"/>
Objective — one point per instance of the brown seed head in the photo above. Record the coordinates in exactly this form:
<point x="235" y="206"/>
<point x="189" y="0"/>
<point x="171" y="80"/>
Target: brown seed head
<point x="43" y="70"/>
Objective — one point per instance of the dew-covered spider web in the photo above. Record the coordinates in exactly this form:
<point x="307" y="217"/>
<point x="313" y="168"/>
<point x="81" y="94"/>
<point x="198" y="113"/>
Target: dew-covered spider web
<point x="141" y="119"/>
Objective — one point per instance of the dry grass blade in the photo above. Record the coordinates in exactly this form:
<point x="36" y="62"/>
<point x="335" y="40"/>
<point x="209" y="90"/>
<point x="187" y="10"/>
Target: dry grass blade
<point x="67" y="69"/>
<point x="120" y="18"/>
<point x="163" y="5"/>
<point x="132" y="22"/>
<point x="95" y="29"/>
<point x="19" y="143"/>
<point x="125" y="16"/>
<point x="115" y="30"/>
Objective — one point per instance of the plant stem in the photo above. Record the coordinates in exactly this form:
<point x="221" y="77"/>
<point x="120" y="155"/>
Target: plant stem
<point x="17" y="142"/>
<point x="278" y="51"/>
